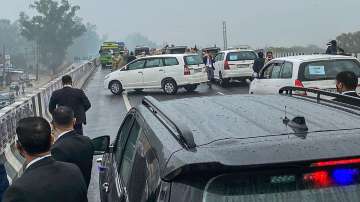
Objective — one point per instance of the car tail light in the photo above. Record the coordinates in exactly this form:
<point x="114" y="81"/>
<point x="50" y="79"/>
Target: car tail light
<point x="335" y="162"/>
<point x="226" y="65"/>
<point x="186" y="70"/>
<point x="298" y="83"/>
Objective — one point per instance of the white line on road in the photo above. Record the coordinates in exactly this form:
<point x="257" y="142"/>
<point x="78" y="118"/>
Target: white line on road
<point x="126" y="101"/>
<point x="220" y="93"/>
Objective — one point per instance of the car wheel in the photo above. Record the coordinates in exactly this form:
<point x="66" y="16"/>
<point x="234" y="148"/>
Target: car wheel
<point x="223" y="82"/>
<point x="191" y="88"/>
<point x="170" y="87"/>
<point x="116" y="87"/>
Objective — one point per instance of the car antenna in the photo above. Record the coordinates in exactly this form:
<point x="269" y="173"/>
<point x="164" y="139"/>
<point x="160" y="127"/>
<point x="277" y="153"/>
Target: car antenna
<point x="286" y="120"/>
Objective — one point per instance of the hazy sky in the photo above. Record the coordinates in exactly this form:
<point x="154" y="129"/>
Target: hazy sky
<point x="256" y="23"/>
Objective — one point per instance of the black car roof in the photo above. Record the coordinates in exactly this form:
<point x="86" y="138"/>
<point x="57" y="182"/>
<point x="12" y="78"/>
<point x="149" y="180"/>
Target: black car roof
<point x="243" y="120"/>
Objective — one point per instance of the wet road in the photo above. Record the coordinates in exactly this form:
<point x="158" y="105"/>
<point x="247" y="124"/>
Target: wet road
<point x="108" y="111"/>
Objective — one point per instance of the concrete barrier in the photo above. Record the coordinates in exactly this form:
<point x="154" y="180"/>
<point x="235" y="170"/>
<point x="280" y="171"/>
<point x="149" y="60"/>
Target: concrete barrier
<point x="32" y="105"/>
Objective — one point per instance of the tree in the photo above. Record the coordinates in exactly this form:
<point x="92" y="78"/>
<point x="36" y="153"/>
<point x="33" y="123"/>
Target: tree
<point x="350" y="42"/>
<point x="54" y="29"/>
<point x="86" y="45"/>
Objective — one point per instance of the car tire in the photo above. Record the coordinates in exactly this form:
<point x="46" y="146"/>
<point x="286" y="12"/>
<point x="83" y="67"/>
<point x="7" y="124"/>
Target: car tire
<point x="191" y="88"/>
<point x="223" y="82"/>
<point x="116" y="87"/>
<point x="169" y="87"/>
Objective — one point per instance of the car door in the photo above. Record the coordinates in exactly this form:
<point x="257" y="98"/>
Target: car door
<point x="133" y="74"/>
<point x="109" y="187"/>
<point x="216" y="65"/>
<point x="268" y="82"/>
<point x="220" y="64"/>
<point x="153" y="72"/>
<point x="127" y="163"/>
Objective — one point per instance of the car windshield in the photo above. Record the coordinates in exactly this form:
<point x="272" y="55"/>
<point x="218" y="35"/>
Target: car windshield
<point x="340" y="184"/>
<point x="243" y="55"/>
<point x="327" y="70"/>
<point x="193" y="60"/>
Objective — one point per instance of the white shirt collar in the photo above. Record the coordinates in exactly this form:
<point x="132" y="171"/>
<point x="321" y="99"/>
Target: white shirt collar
<point x="36" y="160"/>
<point x="61" y="134"/>
<point x="70" y="86"/>
<point x="346" y="92"/>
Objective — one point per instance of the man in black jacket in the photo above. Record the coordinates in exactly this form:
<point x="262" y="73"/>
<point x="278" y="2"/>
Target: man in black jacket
<point x="69" y="146"/>
<point x="346" y="83"/>
<point x="44" y="179"/>
<point x="73" y="98"/>
<point x="259" y="62"/>
<point x="4" y="183"/>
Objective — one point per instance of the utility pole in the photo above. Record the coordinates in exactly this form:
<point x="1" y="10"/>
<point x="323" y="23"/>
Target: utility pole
<point x="37" y="50"/>
<point x="225" y="35"/>
<point x="4" y="66"/>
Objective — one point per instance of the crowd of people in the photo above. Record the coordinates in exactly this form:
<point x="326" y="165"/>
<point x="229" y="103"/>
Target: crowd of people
<point x="58" y="157"/>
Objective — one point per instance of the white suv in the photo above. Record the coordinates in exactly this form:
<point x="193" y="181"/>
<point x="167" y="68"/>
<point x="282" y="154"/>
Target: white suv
<point x="168" y="72"/>
<point x="234" y="65"/>
<point x="309" y="71"/>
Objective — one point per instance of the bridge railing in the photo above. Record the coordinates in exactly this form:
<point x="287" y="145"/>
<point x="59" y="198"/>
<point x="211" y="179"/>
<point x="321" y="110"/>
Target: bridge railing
<point x="35" y="104"/>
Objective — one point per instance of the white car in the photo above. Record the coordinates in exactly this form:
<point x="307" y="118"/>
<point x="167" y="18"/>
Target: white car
<point x="234" y="65"/>
<point x="168" y="72"/>
<point x="309" y="71"/>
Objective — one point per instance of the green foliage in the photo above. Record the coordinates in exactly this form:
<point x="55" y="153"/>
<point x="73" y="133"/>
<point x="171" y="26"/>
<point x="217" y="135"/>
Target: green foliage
<point x="54" y="28"/>
<point x="86" y="45"/>
<point x="350" y="42"/>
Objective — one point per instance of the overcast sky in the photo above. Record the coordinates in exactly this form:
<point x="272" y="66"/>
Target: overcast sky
<point x="254" y="22"/>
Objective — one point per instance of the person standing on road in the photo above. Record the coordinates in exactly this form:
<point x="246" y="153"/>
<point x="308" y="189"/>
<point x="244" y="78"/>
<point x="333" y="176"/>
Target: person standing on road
<point x="73" y="98"/>
<point x="209" y="63"/>
<point x="131" y="57"/>
<point x="259" y="63"/>
<point x="332" y="48"/>
<point x="4" y="183"/>
<point x="44" y="179"/>
<point x="346" y="83"/>
<point x="269" y="56"/>
<point x="69" y="146"/>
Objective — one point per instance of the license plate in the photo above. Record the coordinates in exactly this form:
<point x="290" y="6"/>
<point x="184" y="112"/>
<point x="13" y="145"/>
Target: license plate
<point x="242" y="66"/>
<point x="197" y="70"/>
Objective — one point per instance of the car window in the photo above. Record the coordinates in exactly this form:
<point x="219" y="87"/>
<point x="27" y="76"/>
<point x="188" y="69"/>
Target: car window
<point x="154" y="62"/>
<point x="327" y="70"/>
<point x="139" y="64"/>
<point x="193" y="60"/>
<point x="121" y="138"/>
<point x="129" y="153"/>
<point x="171" y="61"/>
<point x="287" y="70"/>
<point x="272" y="71"/>
<point x="218" y="57"/>
<point x="242" y="55"/>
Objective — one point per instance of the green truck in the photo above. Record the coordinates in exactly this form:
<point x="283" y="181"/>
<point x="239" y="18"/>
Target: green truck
<point x="107" y="50"/>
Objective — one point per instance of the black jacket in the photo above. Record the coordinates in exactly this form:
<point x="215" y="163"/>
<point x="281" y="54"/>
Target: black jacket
<point x="76" y="149"/>
<point x="258" y="64"/>
<point x="4" y="183"/>
<point x="48" y="181"/>
<point x="346" y="101"/>
<point x="73" y="98"/>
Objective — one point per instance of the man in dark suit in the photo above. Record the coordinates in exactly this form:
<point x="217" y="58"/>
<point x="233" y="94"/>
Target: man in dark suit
<point x="44" y="179"/>
<point x="73" y="98"/>
<point x="346" y="83"/>
<point x="4" y="183"/>
<point x="69" y="146"/>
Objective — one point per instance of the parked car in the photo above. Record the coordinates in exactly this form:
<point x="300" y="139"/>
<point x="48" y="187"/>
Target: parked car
<point x="310" y="71"/>
<point x="246" y="148"/>
<point x="234" y="64"/>
<point x="167" y="72"/>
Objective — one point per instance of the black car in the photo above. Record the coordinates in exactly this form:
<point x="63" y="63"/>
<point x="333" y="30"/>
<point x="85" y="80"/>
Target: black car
<point x="235" y="148"/>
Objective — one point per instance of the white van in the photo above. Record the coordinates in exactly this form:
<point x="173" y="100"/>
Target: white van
<point x="168" y="72"/>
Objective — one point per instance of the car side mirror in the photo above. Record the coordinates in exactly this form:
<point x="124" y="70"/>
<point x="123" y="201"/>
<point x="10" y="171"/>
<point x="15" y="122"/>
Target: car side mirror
<point x="101" y="145"/>
<point x="256" y="75"/>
